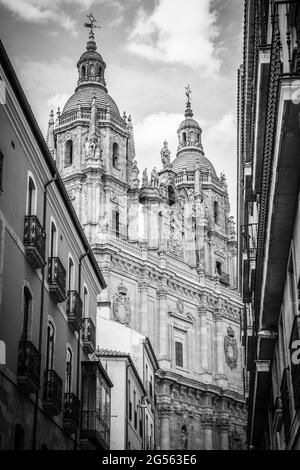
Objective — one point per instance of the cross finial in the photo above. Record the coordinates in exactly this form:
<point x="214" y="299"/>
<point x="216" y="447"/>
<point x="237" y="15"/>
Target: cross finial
<point x="188" y="92"/>
<point x="91" y="24"/>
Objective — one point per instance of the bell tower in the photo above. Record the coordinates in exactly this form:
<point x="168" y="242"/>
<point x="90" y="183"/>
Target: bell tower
<point x="93" y="147"/>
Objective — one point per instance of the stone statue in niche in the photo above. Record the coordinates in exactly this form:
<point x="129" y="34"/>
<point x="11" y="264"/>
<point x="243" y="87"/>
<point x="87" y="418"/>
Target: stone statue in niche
<point x="230" y="349"/>
<point x="154" y="178"/>
<point x="93" y="149"/>
<point x="121" y="305"/>
<point x="184" y="437"/>
<point x="104" y="222"/>
<point x="180" y="306"/>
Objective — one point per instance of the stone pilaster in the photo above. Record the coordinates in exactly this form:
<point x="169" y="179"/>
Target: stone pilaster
<point x="143" y="296"/>
<point x="165" y="414"/>
<point x="163" y="324"/>
<point x="207" y="424"/>
<point x="224" y="430"/>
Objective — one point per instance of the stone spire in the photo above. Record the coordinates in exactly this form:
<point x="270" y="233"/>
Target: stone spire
<point x="50" y="134"/>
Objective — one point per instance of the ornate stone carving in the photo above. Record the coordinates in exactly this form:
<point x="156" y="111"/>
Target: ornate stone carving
<point x="230" y="349"/>
<point x="121" y="305"/>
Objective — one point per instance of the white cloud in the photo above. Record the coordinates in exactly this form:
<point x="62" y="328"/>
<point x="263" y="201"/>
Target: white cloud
<point x="177" y="32"/>
<point x="219" y="142"/>
<point x="57" y="101"/>
<point x="43" y="11"/>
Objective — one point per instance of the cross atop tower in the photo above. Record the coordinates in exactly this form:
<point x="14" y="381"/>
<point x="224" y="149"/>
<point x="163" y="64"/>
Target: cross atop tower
<point x="188" y="93"/>
<point x="91" y="24"/>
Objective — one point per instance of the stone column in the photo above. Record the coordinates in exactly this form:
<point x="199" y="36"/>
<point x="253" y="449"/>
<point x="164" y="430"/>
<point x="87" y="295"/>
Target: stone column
<point x="143" y="294"/>
<point x="219" y="341"/>
<point x="165" y="427"/>
<point x="207" y="423"/>
<point x="163" y="323"/>
<point x="203" y="334"/>
<point x="224" y="439"/>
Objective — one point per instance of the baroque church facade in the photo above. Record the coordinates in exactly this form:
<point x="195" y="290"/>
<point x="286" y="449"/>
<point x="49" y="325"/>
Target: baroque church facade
<point x="166" y="245"/>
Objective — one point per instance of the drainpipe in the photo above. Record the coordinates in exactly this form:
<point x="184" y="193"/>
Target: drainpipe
<point x="78" y="349"/>
<point x="34" y="432"/>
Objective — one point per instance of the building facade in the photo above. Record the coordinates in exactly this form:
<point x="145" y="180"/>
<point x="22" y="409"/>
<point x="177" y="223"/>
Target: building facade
<point x="268" y="213"/>
<point x="166" y="246"/>
<point x="49" y="284"/>
<point x="112" y="335"/>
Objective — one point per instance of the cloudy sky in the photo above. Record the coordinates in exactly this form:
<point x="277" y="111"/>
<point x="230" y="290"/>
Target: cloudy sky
<point x="153" y="49"/>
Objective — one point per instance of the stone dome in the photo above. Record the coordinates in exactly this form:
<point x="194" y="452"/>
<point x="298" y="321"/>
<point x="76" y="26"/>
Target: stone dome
<point x="187" y="160"/>
<point x="85" y="95"/>
<point x="189" y="123"/>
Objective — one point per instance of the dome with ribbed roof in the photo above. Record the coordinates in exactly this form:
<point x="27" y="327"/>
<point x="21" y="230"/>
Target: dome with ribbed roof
<point x="187" y="161"/>
<point x="84" y="95"/>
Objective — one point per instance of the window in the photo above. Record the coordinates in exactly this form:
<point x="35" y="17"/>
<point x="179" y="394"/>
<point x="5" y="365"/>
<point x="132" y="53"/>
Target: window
<point x="99" y="71"/>
<point x="1" y="170"/>
<point x="50" y="346"/>
<point x="31" y="197"/>
<point x="68" y="383"/>
<point x="184" y="137"/>
<point x="115" y="155"/>
<point x="69" y="153"/>
<point x="92" y="69"/>
<point x="27" y="302"/>
<point x="19" y="437"/>
<point x="85" y="302"/>
<point x="116" y="222"/>
<point x="216" y="212"/>
<point x="171" y="196"/>
<point x="53" y="240"/>
<point x="219" y="267"/>
<point x="178" y="354"/>
<point x="71" y="274"/>
<point x="83" y="71"/>
<point x="129" y="401"/>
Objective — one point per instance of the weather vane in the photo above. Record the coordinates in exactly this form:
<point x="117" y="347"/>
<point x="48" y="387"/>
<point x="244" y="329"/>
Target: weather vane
<point x="92" y="22"/>
<point x="188" y="92"/>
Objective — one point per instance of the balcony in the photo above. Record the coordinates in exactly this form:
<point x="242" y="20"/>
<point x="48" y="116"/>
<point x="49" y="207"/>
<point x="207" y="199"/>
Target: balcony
<point x="95" y="429"/>
<point x="71" y="412"/>
<point x="88" y="336"/>
<point x="52" y="396"/>
<point x="295" y="368"/>
<point x="34" y="241"/>
<point x="57" y="279"/>
<point x="29" y="366"/>
<point x="249" y="234"/>
<point x="74" y="310"/>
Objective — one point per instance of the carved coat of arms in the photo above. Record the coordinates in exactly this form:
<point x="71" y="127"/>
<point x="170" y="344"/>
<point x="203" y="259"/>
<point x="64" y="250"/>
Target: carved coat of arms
<point x="121" y="305"/>
<point x="230" y="349"/>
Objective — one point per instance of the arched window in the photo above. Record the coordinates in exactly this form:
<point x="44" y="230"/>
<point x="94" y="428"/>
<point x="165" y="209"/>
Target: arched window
<point x="184" y="137"/>
<point x="115" y="155"/>
<point x="50" y="346"/>
<point x="31" y="197"/>
<point x="216" y="212"/>
<point x="171" y="196"/>
<point x="68" y="383"/>
<point x="27" y="305"/>
<point x="69" y="152"/>
<point x="99" y="71"/>
<point x="83" y="71"/>
<point x="92" y="69"/>
<point x="198" y="136"/>
<point x="19" y="437"/>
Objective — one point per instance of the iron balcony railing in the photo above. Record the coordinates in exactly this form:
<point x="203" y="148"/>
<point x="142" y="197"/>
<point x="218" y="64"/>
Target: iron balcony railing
<point x="52" y="396"/>
<point x="88" y="335"/>
<point x="74" y="310"/>
<point x="295" y="368"/>
<point x="57" y="279"/>
<point x="92" y="424"/>
<point x="29" y="366"/>
<point x="34" y="241"/>
<point x="71" y="412"/>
